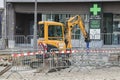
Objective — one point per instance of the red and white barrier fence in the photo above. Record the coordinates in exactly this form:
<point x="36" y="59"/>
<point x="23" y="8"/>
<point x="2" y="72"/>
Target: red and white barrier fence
<point x="116" y="50"/>
<point x="27" y="54"/>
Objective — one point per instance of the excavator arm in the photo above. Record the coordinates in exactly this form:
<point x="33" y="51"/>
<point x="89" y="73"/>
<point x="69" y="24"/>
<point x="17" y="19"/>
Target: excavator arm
<point x="76" y="20"/>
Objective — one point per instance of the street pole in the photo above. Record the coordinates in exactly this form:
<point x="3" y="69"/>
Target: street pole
<point x="4" y="33"/>
<point x="35" y="26"/>
<point x="5" y="19"/>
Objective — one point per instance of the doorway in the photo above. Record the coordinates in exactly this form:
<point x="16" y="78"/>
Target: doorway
<point x="107" y="28"/>
<point x="24" y="23"/>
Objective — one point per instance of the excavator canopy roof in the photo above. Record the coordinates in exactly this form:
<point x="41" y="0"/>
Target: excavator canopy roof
<point x="50" y="23"/>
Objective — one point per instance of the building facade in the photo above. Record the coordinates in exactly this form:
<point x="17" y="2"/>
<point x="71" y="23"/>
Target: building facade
<point x="0" y="24"/>
<point x="20" y="17"/>
<point x="1" y="15"/>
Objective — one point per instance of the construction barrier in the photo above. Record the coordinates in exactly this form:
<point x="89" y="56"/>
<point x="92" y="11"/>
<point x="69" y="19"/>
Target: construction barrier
<point x="63" y="58"/>
<point x="43" y="62"/>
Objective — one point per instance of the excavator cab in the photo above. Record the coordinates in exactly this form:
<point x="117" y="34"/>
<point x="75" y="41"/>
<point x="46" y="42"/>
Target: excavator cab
<point x="51" y="34"/>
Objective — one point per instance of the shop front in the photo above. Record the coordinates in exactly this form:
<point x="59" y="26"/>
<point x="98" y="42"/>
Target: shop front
<point x="107" y="33"/>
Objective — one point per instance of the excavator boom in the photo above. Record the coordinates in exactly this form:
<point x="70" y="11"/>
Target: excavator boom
<point x="76" y="20"/>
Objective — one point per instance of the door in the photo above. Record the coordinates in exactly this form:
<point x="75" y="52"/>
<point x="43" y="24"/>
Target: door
<point x="108" y="28"/>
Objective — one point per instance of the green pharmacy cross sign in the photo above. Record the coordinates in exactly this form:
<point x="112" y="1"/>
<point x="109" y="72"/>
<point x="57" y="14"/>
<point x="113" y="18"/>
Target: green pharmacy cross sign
<point x="95" y="9"/>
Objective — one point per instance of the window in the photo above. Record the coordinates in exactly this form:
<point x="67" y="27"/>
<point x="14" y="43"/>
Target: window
<point x="76" y="32"/>
<point x="116" y="29"/>
<point x="40" y="31"/>
<point x="116" y="23"/>
<point x="55" y="31"/>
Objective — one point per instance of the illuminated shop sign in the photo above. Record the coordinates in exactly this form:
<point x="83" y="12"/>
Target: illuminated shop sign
<point x="95" y="21"/>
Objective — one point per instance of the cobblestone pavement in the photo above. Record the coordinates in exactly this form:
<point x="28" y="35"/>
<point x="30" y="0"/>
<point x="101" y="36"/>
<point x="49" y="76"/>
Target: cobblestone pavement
<point x="112" y="73"/>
